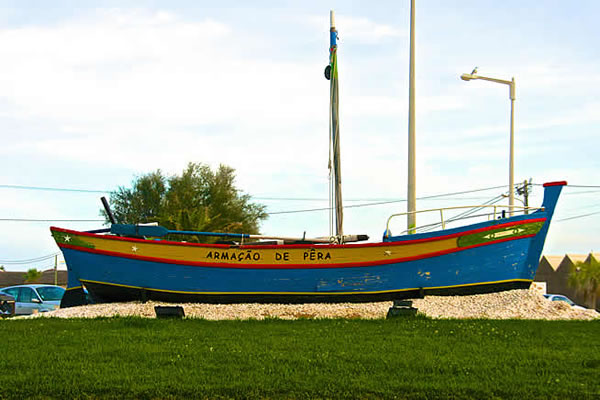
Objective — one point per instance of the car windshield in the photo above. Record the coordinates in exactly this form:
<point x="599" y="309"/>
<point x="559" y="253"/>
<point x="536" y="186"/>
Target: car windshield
<point x="565" y="299"/>
<point x="51" y="293"/>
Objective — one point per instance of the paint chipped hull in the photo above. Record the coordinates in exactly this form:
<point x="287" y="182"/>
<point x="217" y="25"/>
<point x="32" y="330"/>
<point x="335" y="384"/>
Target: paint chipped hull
<point x="491" y="256"/>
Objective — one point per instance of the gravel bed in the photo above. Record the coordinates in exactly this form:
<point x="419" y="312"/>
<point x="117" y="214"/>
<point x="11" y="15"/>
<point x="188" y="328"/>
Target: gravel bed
<point x="514" y="304"/>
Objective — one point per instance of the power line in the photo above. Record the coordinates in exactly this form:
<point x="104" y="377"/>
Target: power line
<point x="30" y="260"/>
<point x="578" y="216"/>
<point x="52" y="189"/>
<point x="569" y="185"/>
<point x="48" y="220"/>
<point x="584" y="186"/>
<point x="347" y="200"/>
<point x="312" y="199"/>
<point x="58" y="189"/>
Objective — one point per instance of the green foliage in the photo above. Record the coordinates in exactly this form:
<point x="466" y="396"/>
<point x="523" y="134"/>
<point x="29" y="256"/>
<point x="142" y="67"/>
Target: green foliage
<point x="412" y="358"/>
<point x="585" y="277"/>
<point x="32" y="275"/>
<point x="199" y="199"/>
<point x="2" y="268"/>
<point x="142" y="203"/>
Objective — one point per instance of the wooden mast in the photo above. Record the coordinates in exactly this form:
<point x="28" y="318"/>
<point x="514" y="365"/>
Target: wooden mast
<point x="335" y="131"/>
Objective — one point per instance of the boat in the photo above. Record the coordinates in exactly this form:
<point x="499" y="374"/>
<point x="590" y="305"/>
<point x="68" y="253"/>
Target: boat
<point x="129" y="262"/>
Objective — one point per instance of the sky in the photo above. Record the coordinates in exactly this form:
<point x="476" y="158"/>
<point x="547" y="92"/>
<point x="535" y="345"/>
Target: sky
<point x="95" y="93"/>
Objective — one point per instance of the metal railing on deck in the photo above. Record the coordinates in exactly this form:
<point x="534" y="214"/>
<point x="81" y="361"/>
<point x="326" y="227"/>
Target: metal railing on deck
<point x="443" y="222"/>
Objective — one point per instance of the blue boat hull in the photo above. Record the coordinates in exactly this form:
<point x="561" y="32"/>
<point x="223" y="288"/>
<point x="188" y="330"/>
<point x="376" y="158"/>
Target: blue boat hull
<point x="480" y="270"/>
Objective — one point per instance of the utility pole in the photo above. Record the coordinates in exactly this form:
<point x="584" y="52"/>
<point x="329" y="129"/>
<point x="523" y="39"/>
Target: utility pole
<point x="526" y="195"/>
<point x="524" y="191"/>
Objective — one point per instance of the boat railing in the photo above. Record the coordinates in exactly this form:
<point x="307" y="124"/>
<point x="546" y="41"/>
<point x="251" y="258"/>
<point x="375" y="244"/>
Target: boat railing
<point x="498" y="211"/>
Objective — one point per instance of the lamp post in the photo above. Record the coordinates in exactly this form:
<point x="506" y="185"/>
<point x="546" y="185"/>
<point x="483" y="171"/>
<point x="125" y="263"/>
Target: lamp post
<point x="511" y="165"/>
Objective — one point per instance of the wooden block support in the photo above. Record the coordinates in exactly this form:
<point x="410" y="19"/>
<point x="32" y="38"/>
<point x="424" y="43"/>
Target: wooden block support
<point x="169" y="312"/>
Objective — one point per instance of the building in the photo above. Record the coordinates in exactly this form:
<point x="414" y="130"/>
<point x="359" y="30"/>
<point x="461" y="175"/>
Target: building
<point x="554" y="272"/>
<point x="11" y="278"/>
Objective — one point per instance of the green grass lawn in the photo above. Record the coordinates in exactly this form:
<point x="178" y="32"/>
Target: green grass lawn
<point x="414" y="358"/>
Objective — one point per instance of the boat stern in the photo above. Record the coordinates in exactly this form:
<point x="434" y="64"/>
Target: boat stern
<point x="551" y="194"/>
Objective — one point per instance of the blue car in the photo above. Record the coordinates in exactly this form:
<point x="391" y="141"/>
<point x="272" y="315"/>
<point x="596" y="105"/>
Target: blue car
<point x="35" y="298"/>
<point x="560" y="297"/>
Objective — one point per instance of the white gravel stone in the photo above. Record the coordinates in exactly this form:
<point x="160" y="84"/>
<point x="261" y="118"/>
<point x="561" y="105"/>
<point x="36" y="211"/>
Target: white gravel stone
<point x="514" y="304"/>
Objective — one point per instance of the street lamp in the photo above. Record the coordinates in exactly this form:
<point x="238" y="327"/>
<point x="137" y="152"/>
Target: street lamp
<point x="511" y="173"/>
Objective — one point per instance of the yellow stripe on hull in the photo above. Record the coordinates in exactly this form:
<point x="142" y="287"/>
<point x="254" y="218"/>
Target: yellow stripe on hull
<point x="251" y="255"/>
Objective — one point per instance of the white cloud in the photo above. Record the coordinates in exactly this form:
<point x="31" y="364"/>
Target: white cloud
<point x="124" y="86"/>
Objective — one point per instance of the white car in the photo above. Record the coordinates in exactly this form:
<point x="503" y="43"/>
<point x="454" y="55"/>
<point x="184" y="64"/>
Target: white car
<point x="560" y="297"/>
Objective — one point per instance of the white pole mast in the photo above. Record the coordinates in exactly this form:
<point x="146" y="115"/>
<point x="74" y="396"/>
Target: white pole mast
<point x="511" y="167"/>
<point x="412" y="197"/>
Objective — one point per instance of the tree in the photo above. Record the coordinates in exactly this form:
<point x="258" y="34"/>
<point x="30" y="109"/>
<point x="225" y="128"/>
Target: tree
<point x="2" y="268"/>
<point x="198" y="200"/>
<point x="142" y="203"/>
<point x="32" y="275"/>
<point x="585" y="278"/>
